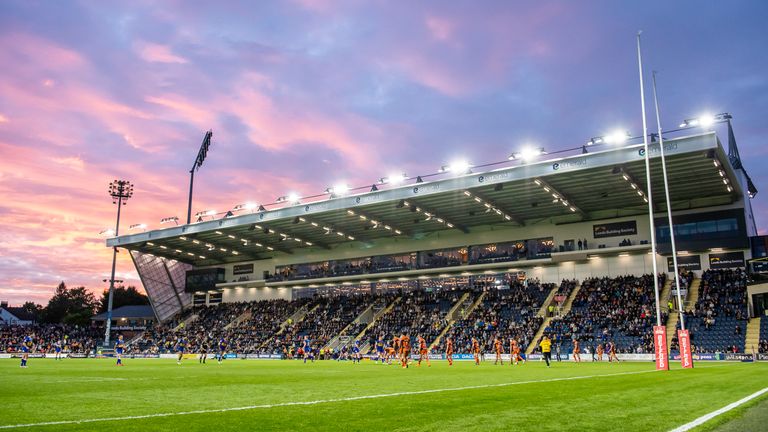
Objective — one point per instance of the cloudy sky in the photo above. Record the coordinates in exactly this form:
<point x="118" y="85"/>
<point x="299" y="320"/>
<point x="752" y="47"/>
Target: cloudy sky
<point x="303" y="94"/>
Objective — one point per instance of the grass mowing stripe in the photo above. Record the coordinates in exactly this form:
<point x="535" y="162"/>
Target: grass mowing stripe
<point x="707" y="417"/>
<point x="316" y="402"/>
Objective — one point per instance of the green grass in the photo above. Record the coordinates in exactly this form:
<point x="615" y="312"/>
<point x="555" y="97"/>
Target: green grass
<point x="637" y="399"/>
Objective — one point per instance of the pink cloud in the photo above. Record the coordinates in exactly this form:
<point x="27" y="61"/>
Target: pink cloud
<point x="441" y="29"/>
<point x="157" y="53"/>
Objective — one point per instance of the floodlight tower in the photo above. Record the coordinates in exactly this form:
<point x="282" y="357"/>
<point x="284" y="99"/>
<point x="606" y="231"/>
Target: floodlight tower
<point x="201" y="154"/>
<point x="120" y="191"/>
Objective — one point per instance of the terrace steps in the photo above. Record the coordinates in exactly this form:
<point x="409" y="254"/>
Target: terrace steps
<point x="192" y="318"/>
<point x="569" y="302"/>
<point x="366" y="345"/>
<point x="693" y="295"/>
<point x="752" y="341"/>
<point x="294" y="318"/>
<point x="538" y="335"/>
<point x="550" y="298"/>
<point x="672" y="320"/>
<point x="451" y="315"/>
<point x="665" y="291"/>
<point x="334" y="343"/>
<point x="547" y="320"/>
<point x="245" y="316"/>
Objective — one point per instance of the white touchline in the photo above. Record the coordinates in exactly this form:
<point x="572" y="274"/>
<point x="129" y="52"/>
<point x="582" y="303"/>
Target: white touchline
<point x="322" y="401"/>
<point x="707" y="417"/>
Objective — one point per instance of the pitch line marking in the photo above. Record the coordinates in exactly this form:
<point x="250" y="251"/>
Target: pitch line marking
<point x="322" y="401"/>
<point x="314" y="402"/>
<point x="707" y="417"/>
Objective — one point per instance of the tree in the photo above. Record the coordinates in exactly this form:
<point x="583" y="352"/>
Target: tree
<point x="122" y="296"/>
<point x="70" y="306"/>
<point x="33" y="309"/>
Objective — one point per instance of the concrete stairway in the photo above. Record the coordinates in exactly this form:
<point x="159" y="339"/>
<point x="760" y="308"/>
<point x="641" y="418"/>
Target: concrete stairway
<point x="294" y="318"/>
<point x="192" y="318"/>
<point x="245" y="316"/>
<point x="569" y="301"/>
<point x="752" y="342"/>
<point x="664" y="294"/>
<point x="366" y="346"/>
<point x="334" y="342"/>
<point x="693" y="295"/>
<point x="566" y="308"/>
<point x="455" y="314"/>
<point x="550" y="298"/>
<point x="672" y="320"/>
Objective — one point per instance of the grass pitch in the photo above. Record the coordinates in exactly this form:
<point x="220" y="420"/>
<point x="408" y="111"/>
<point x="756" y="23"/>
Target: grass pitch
<point x="88" y="394"/>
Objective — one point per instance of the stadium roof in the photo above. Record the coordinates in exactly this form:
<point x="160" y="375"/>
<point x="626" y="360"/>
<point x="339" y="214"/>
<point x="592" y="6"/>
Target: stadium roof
<point x="127" y="312"/>
<point x="599" y="185"/>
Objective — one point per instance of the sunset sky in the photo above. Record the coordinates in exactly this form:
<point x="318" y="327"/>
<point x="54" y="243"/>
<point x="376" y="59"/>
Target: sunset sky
<point x="303" y="94"/>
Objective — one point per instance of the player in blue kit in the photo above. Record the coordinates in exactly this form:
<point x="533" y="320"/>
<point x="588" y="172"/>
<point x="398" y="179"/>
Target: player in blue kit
<point x="57" y="349"/>
<point x="26" y="347"/>
<point x="307" y="348"/>
<point x="380" y="349"/>
<point x="181" y="345"/>
<point x="356" y="352"/>
<point x="119" y="349"/>
<point x="222" y="349"/>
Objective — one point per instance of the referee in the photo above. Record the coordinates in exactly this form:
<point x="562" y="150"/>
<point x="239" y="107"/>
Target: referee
<point x="546" y="349"/>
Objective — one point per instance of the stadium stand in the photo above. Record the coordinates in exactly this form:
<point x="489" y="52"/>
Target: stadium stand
<point x="44" y="336"/>
<point x="763" y="336"/>
<point x="618" y="310"/>
<point x="328" y="316"/>
<point x="504" y="313"/>
<point x="604" y="309"/>
<point x="417" y="313"/>
<point x="718" y="320"/>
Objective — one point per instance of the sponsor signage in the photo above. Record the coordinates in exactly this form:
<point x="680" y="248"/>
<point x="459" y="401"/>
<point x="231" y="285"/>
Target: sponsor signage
<point x="141" y="356"/>
<point x="615" y="229"/>
<point x="738" y="357"/>
<point x="660" y="346"/>
<point x="687" y="262"/>
<point x="762" y="356"/>
<point x="241" y="269"/>
<point x="697" y="357"/>
<point x="726" y="260"/>
<point x="77" y="355"/>
<point x="685" y="349"/>
<point x="759" y="266"/>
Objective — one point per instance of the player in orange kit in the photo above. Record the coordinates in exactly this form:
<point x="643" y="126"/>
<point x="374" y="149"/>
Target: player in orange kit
<point x="423" y="351"/>
<point x="600" y="352"/>
<point x="449" y="351"/>
<point x="576" y="351"/>
<point x="476" y="351"/>
<point x="405" y="350"/>
<point x="498" y="348"/>
<point x="514" y="349"/>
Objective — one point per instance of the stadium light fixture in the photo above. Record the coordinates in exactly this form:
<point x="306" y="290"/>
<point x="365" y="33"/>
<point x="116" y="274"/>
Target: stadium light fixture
<point x="527" y="153"/>
<point x="140" y="226"/>
<point x="165" y="220"/>
<point x="249" y="206"/>
<point x="705" y="120"/>
<point x="613" y="138"/>
<point x="394" y="179"/>
<point x="338" y="189"/>
<point x="201" y="154"/>
<point x="459" y="167"/>
<point x="107" y="232"/>
<point x="120" y="191"/>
